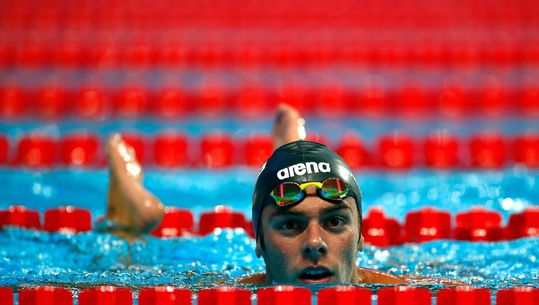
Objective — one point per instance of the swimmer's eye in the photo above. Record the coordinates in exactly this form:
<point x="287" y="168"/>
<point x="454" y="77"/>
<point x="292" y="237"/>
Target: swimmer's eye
<point x="289" y="225"/>
<point x="335" y="222"/>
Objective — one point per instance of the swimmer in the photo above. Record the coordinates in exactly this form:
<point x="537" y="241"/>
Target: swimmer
<point x="306" y="211"/>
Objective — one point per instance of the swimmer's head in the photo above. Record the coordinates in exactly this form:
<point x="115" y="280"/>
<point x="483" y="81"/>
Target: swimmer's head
<point x="307" y="216"/>
<point x="300" y="162"/>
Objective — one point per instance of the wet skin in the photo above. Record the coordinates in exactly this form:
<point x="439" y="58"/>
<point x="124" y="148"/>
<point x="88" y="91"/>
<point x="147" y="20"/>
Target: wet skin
<point x="315" y="241"/>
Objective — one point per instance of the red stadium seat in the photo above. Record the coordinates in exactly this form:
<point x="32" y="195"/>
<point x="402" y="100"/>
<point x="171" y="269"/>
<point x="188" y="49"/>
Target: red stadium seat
<point x="441" y="150"/>
<point x="488" y="150"/>
<point x="217" y="150"/>
<point x="171" y="150"/>
<point x="427" y="224"/>
<point x="396" y="151"/>
<point x="68" y="220"/>
<point x="80" y="149"/>
<point x="479" y="224"/>
<point x="526" y="149"/>
<point x="37" y="151"/>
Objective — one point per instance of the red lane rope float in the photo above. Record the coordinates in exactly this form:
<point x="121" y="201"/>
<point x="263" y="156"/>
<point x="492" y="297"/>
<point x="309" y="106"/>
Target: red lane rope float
<point x="526" y="149"/>
<point x="217" y="150"/>
<point x="36" y="151"/>
<point x="19" y="216"/>
<point x="90" y="103"/>
<point x="224" y="296"/>
<point x="68" y="219"/>
<point x="4" y="149"/>
<point x="109" y="295"/>
<point x="45" y="295"/>
<point x="6" y="296"/>
<point x="427" y="224"/>
<point x="353" y="151"/>
<point x="80" y="149"/>
<point x="379" y="230"/>
<point x="257" y="149"/>
<point x="171" y="150"/>
<point x="176" y="222"/>
<point x="523" y="224"/>
<point x="342" y="295"/>
<point x="164" y="295"/>
<point x="221" y="217"/>
<point x="479" y="224"/>
<point x="404" y="295"/>
<point x="441" y="150"/>
<point x="463" y="296"/>
<point x="488" y="150"/>
<point x="396" y="151"/>
<point x="518" y="296"/>
<point x="283" y="295"/>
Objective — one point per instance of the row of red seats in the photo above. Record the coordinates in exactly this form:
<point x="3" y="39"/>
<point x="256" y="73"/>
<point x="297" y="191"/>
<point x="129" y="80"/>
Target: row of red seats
<point x="423" y="225"/>
<point x="275" y="295"/>
<point x="79" y="55"/>
<point x="212" y="99"/>
<point x="394" y="151"/>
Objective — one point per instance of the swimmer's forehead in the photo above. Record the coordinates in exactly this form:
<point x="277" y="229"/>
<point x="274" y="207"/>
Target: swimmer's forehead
<point x="301" y="209"/>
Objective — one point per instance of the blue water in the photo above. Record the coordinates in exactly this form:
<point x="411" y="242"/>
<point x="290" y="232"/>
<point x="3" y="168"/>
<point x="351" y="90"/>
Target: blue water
<point x="30" y="257"/>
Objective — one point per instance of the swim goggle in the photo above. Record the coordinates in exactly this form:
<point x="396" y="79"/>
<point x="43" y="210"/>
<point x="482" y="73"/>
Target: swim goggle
<point x="331" y="189"/>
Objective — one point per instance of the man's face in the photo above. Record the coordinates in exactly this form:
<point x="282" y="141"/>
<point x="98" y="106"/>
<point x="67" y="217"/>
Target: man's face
<point x="315" y="241"/>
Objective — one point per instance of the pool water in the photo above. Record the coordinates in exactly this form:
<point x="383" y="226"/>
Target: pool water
<point x="30" y="257"/>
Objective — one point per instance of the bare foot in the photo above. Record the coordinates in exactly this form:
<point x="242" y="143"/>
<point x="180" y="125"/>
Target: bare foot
<point x="129" y="204"/>
<point x="288" y="126"/>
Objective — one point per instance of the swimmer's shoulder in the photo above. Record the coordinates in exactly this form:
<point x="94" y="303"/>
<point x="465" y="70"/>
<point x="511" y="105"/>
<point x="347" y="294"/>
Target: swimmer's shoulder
<point x="256" y="278"/>
<point x="371" y="276"/>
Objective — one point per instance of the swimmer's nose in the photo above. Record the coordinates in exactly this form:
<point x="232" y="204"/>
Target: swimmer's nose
<point x="310" y="190"/>
<point x="315" y="247"/>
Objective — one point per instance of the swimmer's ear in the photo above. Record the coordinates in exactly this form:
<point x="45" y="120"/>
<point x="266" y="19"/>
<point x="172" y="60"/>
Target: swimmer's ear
<point x="360" y="243"/>
<point x="258" y="248"/>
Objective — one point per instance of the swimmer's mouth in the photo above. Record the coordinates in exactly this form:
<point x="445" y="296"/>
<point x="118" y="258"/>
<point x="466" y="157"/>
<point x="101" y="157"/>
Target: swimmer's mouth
<point x="315" y="275"/>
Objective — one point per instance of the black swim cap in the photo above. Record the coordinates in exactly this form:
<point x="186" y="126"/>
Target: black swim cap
<point x="300" y="161"/>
